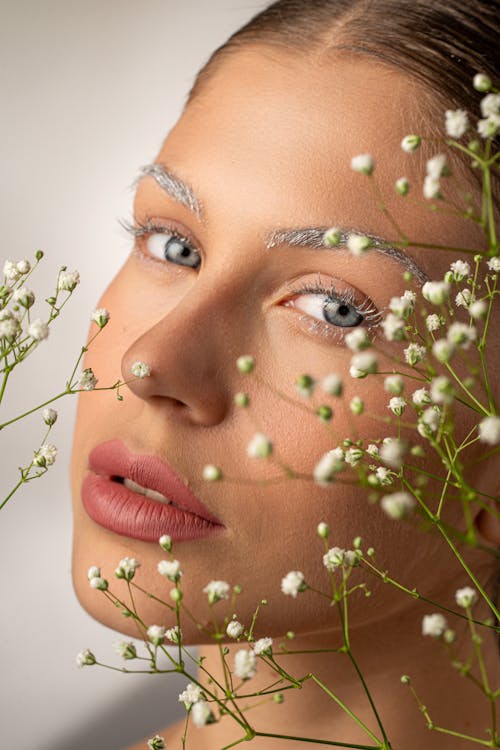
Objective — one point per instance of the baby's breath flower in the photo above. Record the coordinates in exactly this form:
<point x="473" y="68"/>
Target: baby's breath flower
<point x="201" y="713"/>
<point x="421" y="396"/>
<point x="93" y="572"/>
<point x="466" y="597"/>
<point x="174" y="634"/>
<point x="38" y="330"/>
<point x="481" y="82"/>
<point x="165" y="542"/>
<point x="414" y="353"/>
<point x="490" y="105"/>
<point x="464" y="298"/>
<point x="100" y="316"/>
<point x="357" y="340"/>
<point x="403" y="306"/>
<point x="332" y="237"/>
<point x="431" y="188"/>
<point x="245" y="363"/>
<point x="126" y="568"/>
<point x="433" y="322"/>
<point x="45" y="455"/>
<point x="305" y="385"/>
<point x="156" y="634"/>
<point x="461" y="334"/>
<point x="140" y="370"/>
<point x="392" y="452"/>
<point x="436" y="292"/>
<point x="398" y="505"/>
<point x="23" y="266"/>
<point x="98" y="583"/>
<point x="9" y="325"/>
<point x="383" y="475"/>
<point x="357" y="405"/>
<point x="211" y="473"/>
<point x="478" y="309"/>
<point x="323" y="530"/>
<point x="494" y="264"/>
<point x="460" y="269"/>
<point x="332" y="384"/>
<point x="329" y="465"/>
<point x="293" y="583"/>
<point x="10" y="271"/>
<point x="156" y="743"/>
<point x="402" y="186"/>
<point x="489" y="127"/>
<point x="434" y="625"/>
<point x="489" y="430"/>
<point x="443" y="350"/>
<point x="442" y="391"/>
<point x="410" y="143"/>
<point x="363" y="163"/>
<point x="393" y="327"/>
<point x="171" y="569"/>
<point x="373" y="450"/>
<point x="263" y="646"/>
<point x="67" y="280"/>
<point x="49" y="416"/>
<point x="394" y="384"/>
<point x="24" y="296"/>
<point x="126" y="650"/>
<point x="353" y="456"/>
<point x="85" y="658"/>
<point x="190" y="695"/>
<point x="397" y="405"/>
<point x="363" y="364"/>
<point x="87" y="380"/>
<point x="260" y="446"/>
<point x="456" y="122"/>
<point x="234" y="629"/>
<point x="436" y="167"/>
<point x="358" y="244"/>
<point x="216" y="590"/>
<point x="429" y="421"/>
<point x="334" y="558"/>
<point x="241" y="399"/>
<point x="245" y="664"/>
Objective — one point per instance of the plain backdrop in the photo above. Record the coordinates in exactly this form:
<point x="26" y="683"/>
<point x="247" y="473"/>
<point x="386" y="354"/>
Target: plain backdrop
<point x="87" y="93"/>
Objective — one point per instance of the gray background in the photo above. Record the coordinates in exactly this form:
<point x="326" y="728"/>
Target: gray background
<point x="87" y="92"/>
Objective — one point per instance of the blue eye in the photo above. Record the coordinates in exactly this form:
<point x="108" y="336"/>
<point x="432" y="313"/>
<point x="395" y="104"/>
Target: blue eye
<point x="174" y="248"/>
<point x="341" y="313"/>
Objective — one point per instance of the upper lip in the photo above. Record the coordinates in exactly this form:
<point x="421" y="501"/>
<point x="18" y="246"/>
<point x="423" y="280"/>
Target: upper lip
<point x="113" y="459"/>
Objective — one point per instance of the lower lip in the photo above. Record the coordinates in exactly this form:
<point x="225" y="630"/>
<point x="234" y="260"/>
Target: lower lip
<point x="115" y="507"/>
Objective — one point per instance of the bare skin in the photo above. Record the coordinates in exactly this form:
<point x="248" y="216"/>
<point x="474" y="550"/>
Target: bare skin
<point x="263" y="148"/>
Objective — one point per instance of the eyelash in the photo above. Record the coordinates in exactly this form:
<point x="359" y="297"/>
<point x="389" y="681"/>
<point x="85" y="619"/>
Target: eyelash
<point x="367" y="309"/>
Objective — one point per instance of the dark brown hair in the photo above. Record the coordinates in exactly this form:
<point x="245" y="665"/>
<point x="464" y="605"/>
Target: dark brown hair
<point x="442" y="44"/>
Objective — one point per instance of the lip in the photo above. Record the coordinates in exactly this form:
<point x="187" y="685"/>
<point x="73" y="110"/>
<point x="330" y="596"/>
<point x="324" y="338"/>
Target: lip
<point x="117" y="508"/>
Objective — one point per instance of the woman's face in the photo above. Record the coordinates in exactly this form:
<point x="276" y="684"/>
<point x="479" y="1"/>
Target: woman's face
<point x="266" y="146"/>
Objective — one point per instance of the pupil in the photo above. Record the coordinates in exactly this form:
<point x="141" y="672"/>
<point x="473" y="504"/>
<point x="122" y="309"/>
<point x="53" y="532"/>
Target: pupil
<point x="343" y="310"/>
<point x="185" y="252"/>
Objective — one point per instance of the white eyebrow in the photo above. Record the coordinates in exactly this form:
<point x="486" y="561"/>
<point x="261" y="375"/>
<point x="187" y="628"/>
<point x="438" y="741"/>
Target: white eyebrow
<point x="173" y="185"/>
<point x="313" y="237"/>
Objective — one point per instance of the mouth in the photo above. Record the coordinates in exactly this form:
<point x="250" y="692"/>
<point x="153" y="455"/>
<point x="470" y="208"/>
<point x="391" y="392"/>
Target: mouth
<point x="142" y="497"/>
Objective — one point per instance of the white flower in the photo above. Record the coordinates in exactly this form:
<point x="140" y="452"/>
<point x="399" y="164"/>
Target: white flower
<point x="494" y="264"/>
<point x="140" y="370"/>
<point x="373" y="450"/>
<point x="328" y="465"/>
<point x="323" y="530"/>
<point x="456" y="122"/>
<point x="489" y="127"/>
<point x="436" y="167"/>
<point x="398" y="505"/>
<point x="245" y="664"/>
<point x="410" y="143"/>
<point x="443" y="350"/>
<point x="363" y="163"/>
<point x="87" y="380"/>
<point x="393" y="327"/>
<point x="431" y="188"/>
<point x="156" y="743"/>
<point x="442" y="391"/>
<point x="126" y="650"/>
<point x="93" y="572"/>
<point x="461" y="334"/>
<point x="245" y="363"/>
<point x="234" y="629"/>
<point x="68" y="280"/>
<point x="460" y="269"/>
<point x="98" y="583"/>
<point x="126" y="568"/>
<point x="156" y="634"/>
<point x="211" y="473"/>
<point x="357" y="405"/>
<point x="293" y="583"/>
<point x="466" y="597"/>
<point x="45" y="455"/>
<point x="23" y="266"/>
<point x="170" y="569"/>
<point x="392" y="452"/>
<point x="383" y="475"/>
<point x="24" y="296"/>
<point x="334" y="558"/>
<point x="429" y="421"/>
<point x="332" y="237"/>
<point x="463" y="298"/>
<point x="478" y="309"/>
<point x="402" y="186"/>
<point x="85" y="658"/>
<point x="263" y="646"/>
<point x="414" y="353"/>
<point x="358" y="244"/>
<point x="490" y="105"/>
<point x="174" y="634"/>
<point x="434" y="625"/>
<point x="363" y="364"/>
<point x="216" y="590"/>
<point x="421" y="396"/>
<point x="489" y="430"/>
<point x="332" y="384"/>
<point x="394" y="384"/>
<point x="100" y="316"/>
<point x="481" y="82"/>
<point x="49" y="416"/>
<point x="353" y="456"/>
<point x="357" y="340"/>
<point x="10" y="271"/>
<point x="38" y="330"/>
<point x="201" y="714"/>
<point x="432" y="322"/>
<point x="9" y="326"/>
<point x="403" y="306"/>
<point x="190" y="695"/>
<point x="397" y="405"/>
<point x="260" y="446"/>
<point x="436" y="292"/>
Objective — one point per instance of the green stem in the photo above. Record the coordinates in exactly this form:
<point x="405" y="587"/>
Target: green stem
<point x="317" y="742"/>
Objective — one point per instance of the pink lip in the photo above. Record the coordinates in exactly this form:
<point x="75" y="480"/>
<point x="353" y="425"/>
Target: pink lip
<point x="114" y="506"/>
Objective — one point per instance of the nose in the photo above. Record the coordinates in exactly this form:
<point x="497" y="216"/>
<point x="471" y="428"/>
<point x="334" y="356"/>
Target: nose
<point x="189" y="355"/>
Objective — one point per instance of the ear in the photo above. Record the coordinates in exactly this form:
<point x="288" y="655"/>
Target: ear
<point x="487" y="525"/>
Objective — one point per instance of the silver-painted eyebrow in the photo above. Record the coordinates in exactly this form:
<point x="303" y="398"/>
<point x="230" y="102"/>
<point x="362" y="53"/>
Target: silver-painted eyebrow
<point x="174" y="186"/>
<point x="313" y="237"/>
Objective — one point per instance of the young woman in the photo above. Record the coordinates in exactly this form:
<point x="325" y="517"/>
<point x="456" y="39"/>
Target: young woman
<point x="228" y="260"/>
